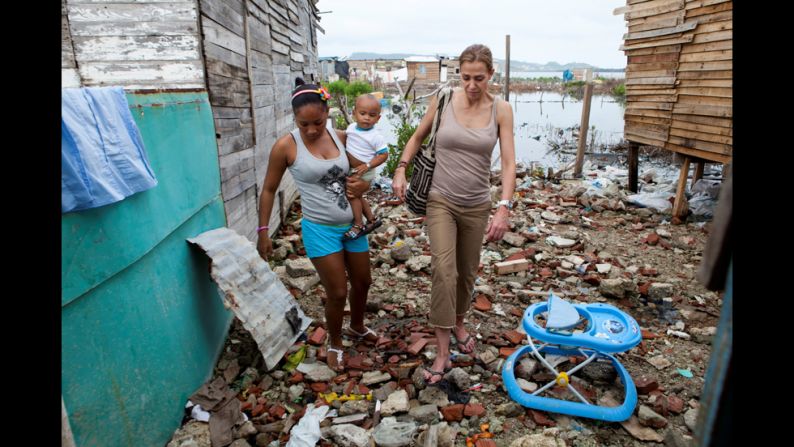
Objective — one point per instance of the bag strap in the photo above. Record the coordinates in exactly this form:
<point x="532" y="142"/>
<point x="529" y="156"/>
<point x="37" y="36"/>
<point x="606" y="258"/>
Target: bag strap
<point x="444" y="96"/>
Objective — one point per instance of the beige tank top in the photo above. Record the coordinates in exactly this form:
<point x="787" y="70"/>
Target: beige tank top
<point x="463" y="159"/>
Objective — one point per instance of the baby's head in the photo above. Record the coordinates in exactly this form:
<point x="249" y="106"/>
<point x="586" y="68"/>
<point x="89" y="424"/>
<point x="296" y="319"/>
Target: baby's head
<point x="366" y="111"/>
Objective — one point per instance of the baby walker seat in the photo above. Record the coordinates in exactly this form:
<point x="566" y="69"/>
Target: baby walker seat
<point x="608" y="331"/>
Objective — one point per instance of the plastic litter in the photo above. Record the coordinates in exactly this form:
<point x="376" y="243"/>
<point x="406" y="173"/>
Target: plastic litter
<point x="306" y="432"/>
<point x="384" y="183"/>
<point x="390" y="433"/>
<point x="660" y="200"/>
<point x="295" y="359"/>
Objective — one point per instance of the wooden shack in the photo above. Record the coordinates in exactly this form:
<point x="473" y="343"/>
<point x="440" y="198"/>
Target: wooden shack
<point x="424" y="68"/>
<point x="679" y="83"/>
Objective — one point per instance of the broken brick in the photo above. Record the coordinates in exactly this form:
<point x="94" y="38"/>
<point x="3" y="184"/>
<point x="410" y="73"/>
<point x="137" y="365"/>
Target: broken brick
<point x="645" y="385"/>
<point x="516" y="265"/>
<point x="473" y="410"/>
<point x="652" y="239"/>
<point x="258" y="410"/>
<point x="318" y="336"/>
<point x="482" y="303"/>
<point x="319" y="387"/>
<point x="277" y="411"/>
<point x="506" y="352"/>
<point x="540" y="418"/>
<point x="513" y="336"/>
<point x="485" y="443"/>
<point x="296" y="377"/>
<point x="675" y="404"/>
<point x="453" y="413"/>
<point x="415" y="348"/>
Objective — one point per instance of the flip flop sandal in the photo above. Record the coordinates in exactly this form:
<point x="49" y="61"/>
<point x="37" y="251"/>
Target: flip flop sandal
<point x="433" y="373"/>
<point x="461" y="345"/>
<point x="350" y="234"/>
<point x="339" y="359"/>
<point x="350" y="332"/>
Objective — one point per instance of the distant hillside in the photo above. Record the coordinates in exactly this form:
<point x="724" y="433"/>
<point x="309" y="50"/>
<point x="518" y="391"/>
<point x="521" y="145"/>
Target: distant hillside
<point x="514" y="64"/>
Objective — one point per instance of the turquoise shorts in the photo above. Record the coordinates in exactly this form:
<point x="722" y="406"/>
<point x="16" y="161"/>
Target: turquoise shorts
<point x="320" y="240"/>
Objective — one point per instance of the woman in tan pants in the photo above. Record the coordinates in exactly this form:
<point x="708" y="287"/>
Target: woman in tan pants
<point x="459" y="202"/>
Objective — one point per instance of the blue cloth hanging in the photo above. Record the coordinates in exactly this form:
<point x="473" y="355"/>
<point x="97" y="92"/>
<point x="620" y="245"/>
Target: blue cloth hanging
<point x="103" y="159"/>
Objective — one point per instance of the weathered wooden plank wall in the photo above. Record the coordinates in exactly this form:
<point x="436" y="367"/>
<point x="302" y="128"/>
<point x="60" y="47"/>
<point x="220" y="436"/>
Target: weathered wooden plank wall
<point x="135" y="44"/>
<point x="253" y="51"/>
<point x="679" y="76"/>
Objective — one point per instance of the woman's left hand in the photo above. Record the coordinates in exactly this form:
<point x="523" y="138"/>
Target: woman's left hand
<point x="356" y="187"/>
<point x="498" y="225"/>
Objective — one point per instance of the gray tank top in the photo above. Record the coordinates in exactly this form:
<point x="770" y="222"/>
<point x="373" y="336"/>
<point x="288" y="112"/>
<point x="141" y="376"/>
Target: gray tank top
<point x="322" y="183"/>
<point x="463" y="159"/>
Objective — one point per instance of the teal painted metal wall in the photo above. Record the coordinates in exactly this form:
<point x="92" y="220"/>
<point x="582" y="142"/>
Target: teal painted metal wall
<point x="142" y="323"/>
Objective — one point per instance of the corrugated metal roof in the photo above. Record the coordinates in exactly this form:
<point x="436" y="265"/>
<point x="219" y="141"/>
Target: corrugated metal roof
<point x="253" y="292"/>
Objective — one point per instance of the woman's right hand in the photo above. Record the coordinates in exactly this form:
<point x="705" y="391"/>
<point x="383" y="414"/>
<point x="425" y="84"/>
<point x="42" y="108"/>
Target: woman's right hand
<point x="264" y="246"/>
<point x="398" y="183"/>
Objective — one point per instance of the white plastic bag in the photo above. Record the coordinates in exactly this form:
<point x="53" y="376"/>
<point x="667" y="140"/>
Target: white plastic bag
<point x="306" y="432"/>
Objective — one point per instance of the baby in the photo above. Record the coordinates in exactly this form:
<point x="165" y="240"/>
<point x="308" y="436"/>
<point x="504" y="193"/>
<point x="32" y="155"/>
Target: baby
<point x="366" y="150"/>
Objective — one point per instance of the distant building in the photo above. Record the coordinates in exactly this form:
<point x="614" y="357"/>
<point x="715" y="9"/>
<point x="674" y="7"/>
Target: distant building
<point x="424" y="68"/>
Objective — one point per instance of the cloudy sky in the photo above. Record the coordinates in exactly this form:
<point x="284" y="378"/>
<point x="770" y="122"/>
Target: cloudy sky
<point x="540" y="30"/>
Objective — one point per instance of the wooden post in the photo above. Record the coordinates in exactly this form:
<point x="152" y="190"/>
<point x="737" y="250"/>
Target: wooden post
<point x="507" y="67"/>
<point x="699" y="167"/>
<point x="680" y="197"/>
<point x="634" y="165"/>
<point x="588" y="94"/>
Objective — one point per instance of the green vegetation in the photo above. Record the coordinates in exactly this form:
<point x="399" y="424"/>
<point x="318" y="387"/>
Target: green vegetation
<point x="343" y="96"/>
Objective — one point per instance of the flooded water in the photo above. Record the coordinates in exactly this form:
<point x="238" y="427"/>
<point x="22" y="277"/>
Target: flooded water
<point x="558" y="74"/>
<point x="546" y="126"/>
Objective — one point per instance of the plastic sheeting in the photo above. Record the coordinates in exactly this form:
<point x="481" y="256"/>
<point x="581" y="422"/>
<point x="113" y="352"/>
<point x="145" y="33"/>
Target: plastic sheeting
<point x="103" y="159"/>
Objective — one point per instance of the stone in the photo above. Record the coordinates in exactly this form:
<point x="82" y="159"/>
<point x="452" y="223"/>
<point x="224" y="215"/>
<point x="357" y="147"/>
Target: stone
<point x="349" y="435"/>
<point x="192" y="434"/>
<point x="316" y="372"/>
<point x="424" y="414"/>
<point x="401" y="251"/>
<point x="659" y="290"/>
<point x="690" y="419"/>
<point x="459" y="377"/>
<point x="603" y="268"/>
<point x="417" y="263"/>
<point x="300" y="267"/>
<point x="303" y="283"/>
<point x="529" y="387"/>
<point x="659" y="361"/>
<point x="514" y="239"/>
<point x="354" y="407"/>
<point x="510" y="409"/>
<point x="396" y="403"/>
<point x="640" y="432"/>
<point x="373" y="377"/>
<point x="561" y="242"/>
<point x="434" y="395"/>
<point x="650" y="418"/>
<point x="538" y="440"/>
<point x="612" y="288"/>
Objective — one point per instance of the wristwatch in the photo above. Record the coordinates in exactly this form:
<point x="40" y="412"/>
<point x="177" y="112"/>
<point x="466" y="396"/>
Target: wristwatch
<point x="367" y="164"/>
<point x="506" y="203"/>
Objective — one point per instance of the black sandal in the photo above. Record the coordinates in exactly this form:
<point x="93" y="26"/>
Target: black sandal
<point x="351" y="234"/>
<point x="433" y="373"/>
<point x="370" y="226"/>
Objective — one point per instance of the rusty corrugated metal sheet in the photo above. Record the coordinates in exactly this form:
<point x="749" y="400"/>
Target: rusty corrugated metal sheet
<point x="253" y="292"/>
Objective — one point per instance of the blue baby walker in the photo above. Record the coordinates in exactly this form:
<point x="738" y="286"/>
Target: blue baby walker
<point x="608" y="331"/>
